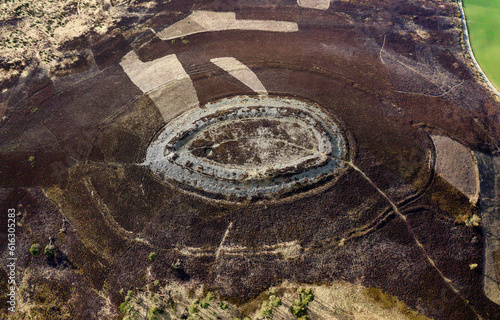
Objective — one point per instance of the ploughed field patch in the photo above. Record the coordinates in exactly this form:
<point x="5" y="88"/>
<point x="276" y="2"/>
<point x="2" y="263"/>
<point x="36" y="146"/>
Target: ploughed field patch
<point x="249" y="147"/>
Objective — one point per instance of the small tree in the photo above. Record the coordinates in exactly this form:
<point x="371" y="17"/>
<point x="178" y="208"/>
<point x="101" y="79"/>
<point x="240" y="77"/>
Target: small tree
<point x="268" y="306"/>
<point x="193" y="308"/>
<point x="35" y="249"/>
<point x="299" y="306"/>
<point x="224" y="305"/>
<point x="50" y="250"/>
<point x="125" y="305"/>
<point x="152" y="256"/>
<point x="205" y="303"/>
<point x="153" y="313"/>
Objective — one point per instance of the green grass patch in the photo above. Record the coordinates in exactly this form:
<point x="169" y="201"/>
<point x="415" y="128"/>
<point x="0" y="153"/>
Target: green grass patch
<point x="483" y="23"/>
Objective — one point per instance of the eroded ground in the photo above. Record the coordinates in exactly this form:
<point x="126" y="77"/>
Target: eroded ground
<point x="391" y="74"/>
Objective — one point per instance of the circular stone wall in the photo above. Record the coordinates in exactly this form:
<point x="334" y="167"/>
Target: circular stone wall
<point x="249" y="147"/>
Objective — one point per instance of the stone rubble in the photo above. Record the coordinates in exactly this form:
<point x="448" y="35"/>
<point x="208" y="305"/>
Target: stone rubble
<point x="168" y="156"/>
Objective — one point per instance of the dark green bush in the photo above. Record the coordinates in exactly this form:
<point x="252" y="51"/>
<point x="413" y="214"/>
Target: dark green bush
<point x="224" y="305"/>
<point x="299" y="306"/>
<point x="152" y="256"/>
<point x="35" y="249"/>
<point x="50" y="250"/>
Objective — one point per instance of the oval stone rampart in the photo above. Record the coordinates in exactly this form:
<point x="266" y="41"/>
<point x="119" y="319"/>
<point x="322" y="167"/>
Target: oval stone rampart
<point x="249" y="147"/>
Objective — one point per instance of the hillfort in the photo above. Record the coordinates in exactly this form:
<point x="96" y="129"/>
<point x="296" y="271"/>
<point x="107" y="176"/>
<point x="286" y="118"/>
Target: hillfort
<point x="272" y="159"/>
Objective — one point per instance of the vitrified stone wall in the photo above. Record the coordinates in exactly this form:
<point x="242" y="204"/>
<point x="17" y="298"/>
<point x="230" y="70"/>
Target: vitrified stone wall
<point x="171" y="156"/>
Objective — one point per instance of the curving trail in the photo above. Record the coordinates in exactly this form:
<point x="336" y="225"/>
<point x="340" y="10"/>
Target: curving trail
<point x="448" y="282"/>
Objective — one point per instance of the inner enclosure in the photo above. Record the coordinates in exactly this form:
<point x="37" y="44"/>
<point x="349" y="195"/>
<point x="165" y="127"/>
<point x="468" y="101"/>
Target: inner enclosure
<point x="254" y="142"/>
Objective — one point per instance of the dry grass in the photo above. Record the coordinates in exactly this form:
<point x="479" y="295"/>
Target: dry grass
<point x="35" y="30"/>
<point x="343" y="300"/>
<point x="340" y="300"/>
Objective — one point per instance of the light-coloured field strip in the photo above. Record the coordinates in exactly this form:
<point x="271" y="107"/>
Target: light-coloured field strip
<point x="314" y="4"/>
<point x="490" y="216"/>
<point x="152" y="74"/>
<point x="456" y="164"/>
<point x="240" y="72"/>
<point x="208" y="21"/>
<point x="165" y="81"/>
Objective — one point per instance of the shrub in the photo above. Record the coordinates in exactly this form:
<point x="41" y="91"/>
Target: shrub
<point x="224" y="305"/>
<point x="156" y="283"/>
<point x="124" y="307"/>
<point x="193" y="308"/>
<point x="35" y="249"/>
<point x="265" y="310"/>
<point x="132" y="315"/>
<point x="274" y="301"/>
<point x="153" y="313"/>
<point x="49" y="250"/>
<point x="210" y="296"/>
<point x="268" y="306"/>
<point x="129" y="296"/>
<point x="152" y="256"/>
<point x="205" y="303"/>
<point x="299" y="306"/>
